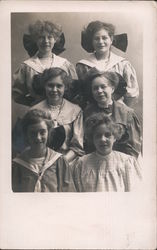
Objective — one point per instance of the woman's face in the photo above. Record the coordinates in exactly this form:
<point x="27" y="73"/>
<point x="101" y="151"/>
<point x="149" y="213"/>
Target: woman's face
<point x="101" y="41"/>
<point x="103" y="140"/>
<point x="55" y="90"/>
<point x="45" y="42"/>
<point x="102" y="91"/>
<point x="37" y="135"/>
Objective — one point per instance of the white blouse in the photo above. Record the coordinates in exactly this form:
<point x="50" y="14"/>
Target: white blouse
<point x="114" y="172"/>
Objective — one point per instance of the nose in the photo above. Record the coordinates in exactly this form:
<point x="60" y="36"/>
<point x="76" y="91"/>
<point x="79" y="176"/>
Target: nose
<point x="103" y="138"/>
<point x="38" y="136"/>
<point x="99" y="90"/>
<point x="100" y="40"/>
<point x="54" y="89"/>
<point x="46" y="39"/>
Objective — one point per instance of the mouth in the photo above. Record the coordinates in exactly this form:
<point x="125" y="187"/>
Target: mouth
<point x="101" y="47"/>
<point x="104" y="146"/>
<point x="101" y="96"/>
<point x="54" y="94"/>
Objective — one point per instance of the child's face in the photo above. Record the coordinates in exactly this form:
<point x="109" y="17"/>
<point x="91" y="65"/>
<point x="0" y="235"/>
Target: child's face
<point x="101" y="41"/>
<point x="37" y="135"/>
<point x="102" y="90"/>
<point x="103" y="140"/>
<point x="55" y="90"/>
<point x="45" y="42"/>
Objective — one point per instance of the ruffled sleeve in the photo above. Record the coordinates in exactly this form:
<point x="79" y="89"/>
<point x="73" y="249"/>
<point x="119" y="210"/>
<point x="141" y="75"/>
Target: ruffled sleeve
<point x="64" y="175"/>
<point x="76" y="143"/>
<point x="132" y="176"/>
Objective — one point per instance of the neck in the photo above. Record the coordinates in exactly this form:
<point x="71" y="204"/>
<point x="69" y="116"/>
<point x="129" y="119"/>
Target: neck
<point x="53" y="103"/>
<point x="45" y="55"/>
<point x="101" y="56"/>
<point x="104" y="104"/>
<point x="37" y="152"/>
<point x="103" y="155"/>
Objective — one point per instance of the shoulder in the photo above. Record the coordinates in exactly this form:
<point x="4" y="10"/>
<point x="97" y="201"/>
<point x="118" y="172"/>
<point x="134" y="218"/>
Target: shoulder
<point x="71" y="108"/>
<point x="122" y="107"/>
<point x="121" y="112"/>
<point x="85" y="160"/>
<point x="90" y="110"/>
<point x="59" y="61"/>
<point x="123" y="160"/>
<point x="90" y="60"/>
<point x="41" y="105"/>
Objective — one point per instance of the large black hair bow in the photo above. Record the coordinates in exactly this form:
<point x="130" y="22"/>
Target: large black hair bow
<point x="31" y="47"/>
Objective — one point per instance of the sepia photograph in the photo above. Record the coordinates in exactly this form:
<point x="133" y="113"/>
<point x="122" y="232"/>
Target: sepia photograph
<point x="80" y="78"/>
<point x="80" y="99"/>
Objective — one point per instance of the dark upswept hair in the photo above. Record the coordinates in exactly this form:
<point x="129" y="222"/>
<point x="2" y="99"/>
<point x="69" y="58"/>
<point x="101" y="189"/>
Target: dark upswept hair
<point x="39" y="27"/>
<point x="35" y="116"/>
<point x="97" y="119"/>
<point x="116" y="81"/>
<point x="40" y="80"/>
<point x="88" y="33"/>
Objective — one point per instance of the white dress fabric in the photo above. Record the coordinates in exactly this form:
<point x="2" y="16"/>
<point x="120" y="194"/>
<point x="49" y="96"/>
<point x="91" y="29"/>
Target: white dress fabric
<point x="116" y="172"/>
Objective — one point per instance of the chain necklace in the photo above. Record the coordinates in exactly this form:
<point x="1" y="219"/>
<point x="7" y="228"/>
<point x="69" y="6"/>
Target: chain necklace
<point x="55" y="112"/>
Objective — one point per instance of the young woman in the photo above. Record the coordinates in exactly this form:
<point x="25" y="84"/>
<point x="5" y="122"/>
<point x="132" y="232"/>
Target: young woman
<point x="104" y="169"/>
<point x="39" y="168"/>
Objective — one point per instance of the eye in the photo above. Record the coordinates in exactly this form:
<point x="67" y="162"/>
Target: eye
<point x="104" y="37"/>
<point x="59" y="86"/>
<point x="103" y="86"/>
<point x="108" y="134"/>
<point x="43" y="132"/>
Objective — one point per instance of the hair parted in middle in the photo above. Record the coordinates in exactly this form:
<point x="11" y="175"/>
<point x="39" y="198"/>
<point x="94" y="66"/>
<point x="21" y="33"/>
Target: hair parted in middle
<point x="88" y="33"/>
<point x="116" y="81"/>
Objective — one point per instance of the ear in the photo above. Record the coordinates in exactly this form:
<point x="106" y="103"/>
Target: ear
<point x="113" y="89"/>
<point x="112" y="38"/>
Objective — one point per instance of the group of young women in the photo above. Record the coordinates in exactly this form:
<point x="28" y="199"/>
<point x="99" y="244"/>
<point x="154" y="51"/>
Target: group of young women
<point x="80" y="133"/>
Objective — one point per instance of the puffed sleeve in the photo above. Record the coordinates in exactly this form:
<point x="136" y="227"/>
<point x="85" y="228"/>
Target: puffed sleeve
<point x="131" y="141"/>
<point x="20" y="90"/>
<point x="82" y="70"/>
<point x="135" y="136"/>
<point x="77" y="170"/>
<point x="76" y="143"/>
<point x="64" y="175"/>
<point x="19" y="82"/>
<point x="129" y="75"/>
<point x="71" y="70"/>
<point x="132" y="175"/>
<point x="16" y="177"/>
